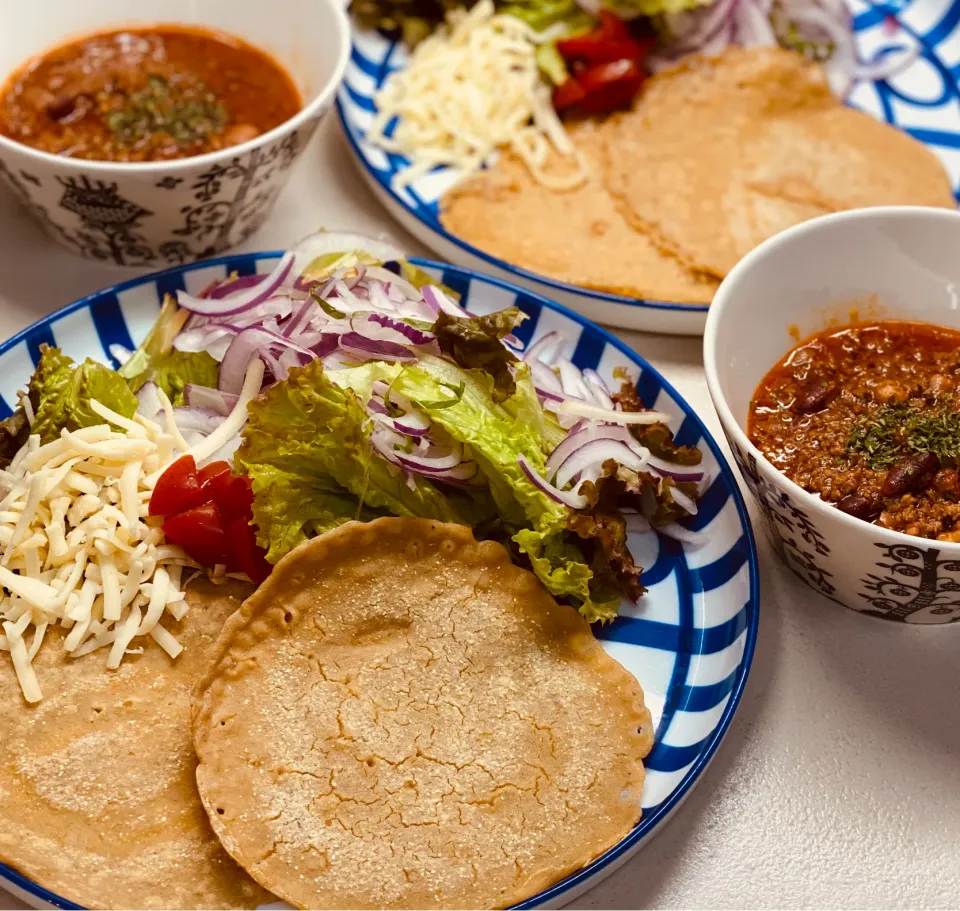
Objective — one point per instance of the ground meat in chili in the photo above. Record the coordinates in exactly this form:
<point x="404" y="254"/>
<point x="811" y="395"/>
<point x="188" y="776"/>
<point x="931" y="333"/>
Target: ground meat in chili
<point x="868" y="417"/>
<point x="146" y="94"/>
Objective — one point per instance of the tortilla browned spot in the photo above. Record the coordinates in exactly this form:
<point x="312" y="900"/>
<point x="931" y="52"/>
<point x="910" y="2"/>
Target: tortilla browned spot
<point x="576" y="236"/>
<point x="98" y="801"/>
<point x="721" y="153"/>
<point x="399" y="717"/>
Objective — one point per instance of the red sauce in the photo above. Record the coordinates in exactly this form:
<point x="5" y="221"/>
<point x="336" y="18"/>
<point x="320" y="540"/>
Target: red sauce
<point x="146" y="94"/>
<point x="867" y="416"/>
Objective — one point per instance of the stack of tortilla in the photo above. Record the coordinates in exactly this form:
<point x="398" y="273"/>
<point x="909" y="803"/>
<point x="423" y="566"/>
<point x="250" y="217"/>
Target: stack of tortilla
<point x="399" y="718"/>
<point x="717" y="155"/>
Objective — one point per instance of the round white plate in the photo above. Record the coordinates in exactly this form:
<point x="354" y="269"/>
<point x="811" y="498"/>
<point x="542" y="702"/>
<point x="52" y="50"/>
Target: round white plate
<point x="689" y="641"/>
<point x="924" y="100"/>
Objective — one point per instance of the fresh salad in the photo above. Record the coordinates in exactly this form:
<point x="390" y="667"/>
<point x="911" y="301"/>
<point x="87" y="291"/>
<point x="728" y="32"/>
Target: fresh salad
<point x="599" y="53"/>
<point x="344" y="385"/>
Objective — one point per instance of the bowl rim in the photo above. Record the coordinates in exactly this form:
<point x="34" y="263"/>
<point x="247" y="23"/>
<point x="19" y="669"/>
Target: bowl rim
<point x="322" y="98"/>
<point x="728" y="289"/>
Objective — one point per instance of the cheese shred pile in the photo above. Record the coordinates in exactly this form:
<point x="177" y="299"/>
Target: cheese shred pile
<point x="471" y="88"/>
<point x="76" y="546"/>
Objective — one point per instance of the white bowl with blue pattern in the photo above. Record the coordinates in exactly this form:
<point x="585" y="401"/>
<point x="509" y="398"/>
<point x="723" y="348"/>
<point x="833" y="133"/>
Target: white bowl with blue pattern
<point x="689" y="642"/>
<point x="924" y="100"/>
<point x="902" y="262"/>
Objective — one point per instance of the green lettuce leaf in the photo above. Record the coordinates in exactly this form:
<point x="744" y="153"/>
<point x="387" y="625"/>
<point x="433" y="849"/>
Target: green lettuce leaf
<point x="541" y="14"/>
<point x="560" y="566"/>
<point x="290" y="508"/>
<point x="63" y="392"/>
<point x="171" y="372"/>
<point x="157" y="361"/>
<point x="474" y="344"/>
<point x="551" y="63"/>
<point x="311" y="428"/>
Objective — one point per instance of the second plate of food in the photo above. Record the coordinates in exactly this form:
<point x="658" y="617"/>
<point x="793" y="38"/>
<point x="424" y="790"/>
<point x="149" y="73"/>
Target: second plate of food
<point x="647" y="210"/>
<point x="688" y="639"/>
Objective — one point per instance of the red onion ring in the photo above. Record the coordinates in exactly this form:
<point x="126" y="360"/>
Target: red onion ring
<point x="243" y="301"/>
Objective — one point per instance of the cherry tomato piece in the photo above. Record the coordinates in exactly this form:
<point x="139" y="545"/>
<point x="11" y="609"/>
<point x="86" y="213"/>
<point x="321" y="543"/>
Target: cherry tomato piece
<point x="178" y="488"/>
<point x="233" y="494"/>
<point x="610" y="85"/>
<point x="248" y="556"/>
<point x="206" y="474"/>
<point x="600" y="49"/>
<point x="568" y="94"/>
<point x="200" y="532"/>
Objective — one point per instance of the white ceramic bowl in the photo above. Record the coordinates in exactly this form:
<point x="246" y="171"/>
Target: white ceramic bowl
<point x="170" y="212"/>
<point x="804" y="278"/>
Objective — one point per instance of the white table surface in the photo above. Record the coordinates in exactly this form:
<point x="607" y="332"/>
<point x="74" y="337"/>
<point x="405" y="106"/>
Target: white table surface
<point x="838" y="783"/>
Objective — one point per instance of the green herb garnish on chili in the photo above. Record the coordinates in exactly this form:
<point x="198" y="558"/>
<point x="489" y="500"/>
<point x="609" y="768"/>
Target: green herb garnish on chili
<point x="185" y="109"/>
<point x="900" y="430"/>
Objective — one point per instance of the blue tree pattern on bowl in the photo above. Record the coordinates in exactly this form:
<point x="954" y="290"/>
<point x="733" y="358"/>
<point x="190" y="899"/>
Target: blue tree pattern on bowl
<point x="794" y="536"/>
<point x="918" y="586"/>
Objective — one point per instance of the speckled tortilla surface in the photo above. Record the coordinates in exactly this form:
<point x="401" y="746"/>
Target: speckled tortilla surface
<point x="98" y="801"/>
<point x="577" y="236"/>
<point x="401" y="718"/>
<point x="721" y="153"/>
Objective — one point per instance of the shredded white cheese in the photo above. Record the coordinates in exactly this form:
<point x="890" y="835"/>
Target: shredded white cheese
<point x="78" y="547"/>
<point x="469" y="89"/>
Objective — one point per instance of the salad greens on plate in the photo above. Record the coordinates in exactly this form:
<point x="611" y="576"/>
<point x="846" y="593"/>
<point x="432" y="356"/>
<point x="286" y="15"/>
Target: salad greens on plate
<point x="381" y="395"/>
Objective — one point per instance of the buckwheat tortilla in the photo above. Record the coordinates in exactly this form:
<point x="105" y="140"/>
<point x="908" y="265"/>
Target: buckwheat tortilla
<point x="721" y="153"/>
<point x="98" y="801"/>
<point x="576" y="236"/>
<point x="401" y="718"/>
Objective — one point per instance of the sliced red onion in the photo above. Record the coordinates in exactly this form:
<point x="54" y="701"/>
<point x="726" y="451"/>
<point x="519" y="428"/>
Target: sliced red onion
<point x="354" y="343"/>
<point x="546" y="382"/>
<point x="299" y="318"/>
<point x="149" y="400"/>
<point x="213" y="338"/>
<point x="567" y="498"/>
<point x="413" y="424"/>
<point x="465" y="471"/>
<point x="326" y="345"/>
<point x="213" y="399"/>
<point x="437" y="300"/>
<point x="675" y="471"/>
<point x="230" y="287"/>
<point x="544" y="349"/>
<point x="243" y="349"/>
<point x="572" y="380"/>
<point x="393" y="284"/>
<point x="379" y="327"/>
<point x="202" y="420"/>
<point x="587" y="410"/>
<point x="592" y="455"/>
<point x="598" y="388"/>
<point x="683" y="501"/>
<point x="243" y="301"/>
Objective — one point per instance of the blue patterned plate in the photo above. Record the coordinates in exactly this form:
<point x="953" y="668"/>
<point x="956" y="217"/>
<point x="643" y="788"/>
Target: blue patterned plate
<point x="690" y="640"/>
<point x="923" y="100"/>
